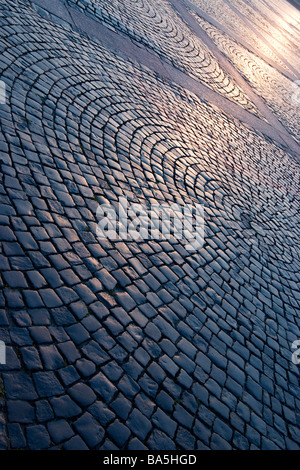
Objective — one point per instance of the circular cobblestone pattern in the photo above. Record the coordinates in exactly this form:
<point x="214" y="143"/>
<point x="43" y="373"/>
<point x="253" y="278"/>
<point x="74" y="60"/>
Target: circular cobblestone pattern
<point x="131" y="345"/>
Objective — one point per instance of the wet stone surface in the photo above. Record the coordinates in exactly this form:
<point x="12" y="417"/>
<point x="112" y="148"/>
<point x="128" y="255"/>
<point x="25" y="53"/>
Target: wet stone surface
<point x="272" y="85"/>
<point x="157" y="26"/>
<point x="233" y="19"/>
<point x="138" y="345"/>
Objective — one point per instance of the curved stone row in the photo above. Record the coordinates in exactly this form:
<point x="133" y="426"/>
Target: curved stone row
<point x="287" y="10"/>
<point x="275" y="88"/>
<point x="286" y="21"/>
<point x="156" y="25"/>
<point x="279" y="39"/>
<point x="220" y="9"/>
<point x="134" y="345"/>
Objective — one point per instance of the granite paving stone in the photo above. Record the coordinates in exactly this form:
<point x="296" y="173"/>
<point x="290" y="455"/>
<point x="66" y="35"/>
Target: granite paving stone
<point x="140" y="343"/>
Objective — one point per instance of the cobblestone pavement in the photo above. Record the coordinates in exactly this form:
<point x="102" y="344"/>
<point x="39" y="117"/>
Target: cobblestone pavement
<point x="141" y="344"/>
<point x="284" y="42"/>
<point x="157" y="26"/>
<point x="221" y="11"/>
<point x="273" y="86"/>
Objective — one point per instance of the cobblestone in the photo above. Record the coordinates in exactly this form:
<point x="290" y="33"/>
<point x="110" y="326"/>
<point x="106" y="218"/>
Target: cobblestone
<point x="181" y="48"/>
<point x="141" y="344"/>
